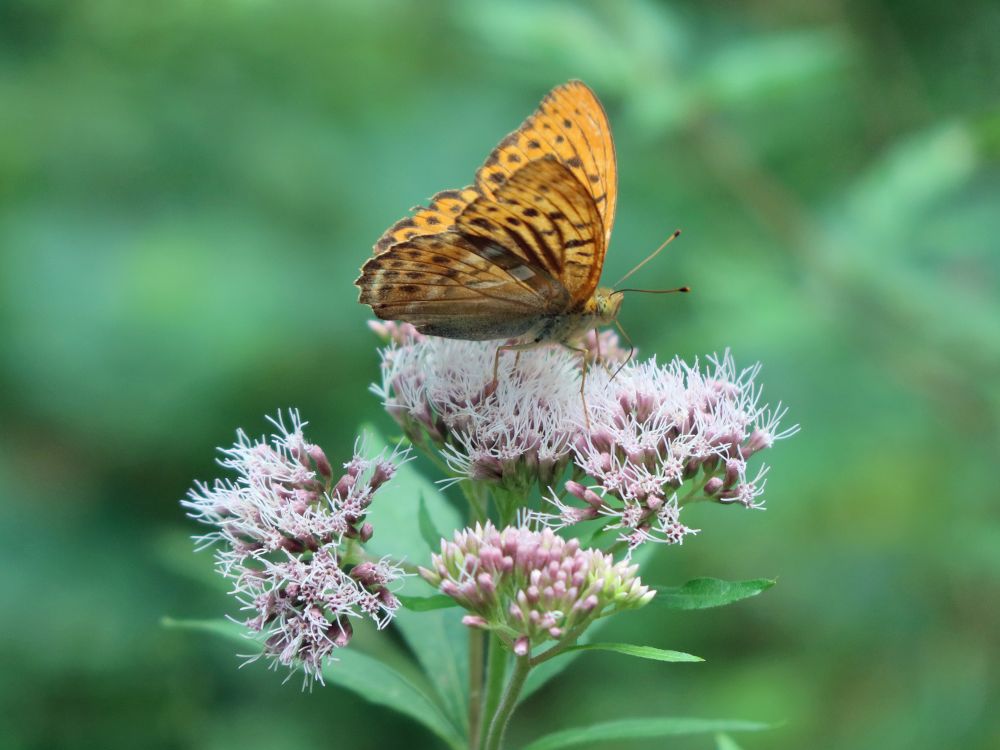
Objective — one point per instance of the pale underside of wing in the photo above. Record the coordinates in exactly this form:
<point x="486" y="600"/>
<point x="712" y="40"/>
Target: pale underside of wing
<point x="543" y="214"/>
<point x="571" y="125"/>
<point x="462" y="287"/>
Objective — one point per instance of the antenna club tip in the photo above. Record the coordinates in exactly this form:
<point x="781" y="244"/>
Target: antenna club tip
<point x="677" y="233"/>
<point x="684" y="289"/>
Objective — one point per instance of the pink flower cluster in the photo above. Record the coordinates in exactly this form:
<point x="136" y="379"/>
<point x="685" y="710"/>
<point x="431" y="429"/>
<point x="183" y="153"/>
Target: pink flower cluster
<point x="664" y="436"/>
<point x="531" y="586"/>
<point x="290" y="533"/>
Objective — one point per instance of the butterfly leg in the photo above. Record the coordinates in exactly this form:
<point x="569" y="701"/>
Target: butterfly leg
<point x="583" y="381"/>
<point x="509" y="348"/>
<point x="599" y="358"/>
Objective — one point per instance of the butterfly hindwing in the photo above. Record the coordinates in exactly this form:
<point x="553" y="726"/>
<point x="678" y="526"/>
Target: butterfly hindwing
<point x="570" y="124"/>
<point x="458" y="286"/>
<point x="544" y="215"/>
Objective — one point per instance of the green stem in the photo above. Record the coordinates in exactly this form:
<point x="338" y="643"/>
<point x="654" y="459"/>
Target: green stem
<point x="430" y="453"/>
<point x="568" y="641"/>
<point x="496" y="672"/>
<point x="478" y="500"/>
<point x="522" y="665"/>
<point x="476" y="638"/>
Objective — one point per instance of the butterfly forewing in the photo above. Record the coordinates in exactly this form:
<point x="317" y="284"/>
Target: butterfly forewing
<point x="571" y="125"/>
<point x="438" y="217"/>
<point x="546" y="217"/>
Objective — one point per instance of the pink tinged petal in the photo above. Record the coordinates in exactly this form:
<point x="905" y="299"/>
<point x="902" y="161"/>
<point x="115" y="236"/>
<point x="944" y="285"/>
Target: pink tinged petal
<point x="522" y="645"/>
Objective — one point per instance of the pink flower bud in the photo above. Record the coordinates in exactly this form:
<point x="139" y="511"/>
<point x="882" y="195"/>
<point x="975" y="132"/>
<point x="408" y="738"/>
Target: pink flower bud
<point x="344" y="486"/>
<point x="365" y="532"/>
<point x="521" y="646"/>
<point x="383" y="473"/>
<point x="485" y="581"/>
<point x="388" y="599"/>
<point x="320" y="460"/>
<point x="759" y="440"/>
<point x="365" y="573"/>
<point x="475" y="621"/>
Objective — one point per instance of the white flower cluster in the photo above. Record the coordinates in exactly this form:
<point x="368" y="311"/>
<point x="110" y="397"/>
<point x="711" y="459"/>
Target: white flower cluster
<point x="655" y="437"/>
<point x="441" y="391"/>
<point x="289" y="535"/>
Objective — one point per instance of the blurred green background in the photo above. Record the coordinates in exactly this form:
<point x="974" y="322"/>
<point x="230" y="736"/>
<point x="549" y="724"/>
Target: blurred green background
<point x="187" y="190"/>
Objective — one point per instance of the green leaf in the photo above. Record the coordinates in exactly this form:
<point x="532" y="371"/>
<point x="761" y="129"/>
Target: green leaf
<point x="725" y="742"/>
<point x="637" y="729"/>
<point x="643" y="652"/>
<point x="234" y="631"/>
<point x="360" y="673"/>
<point x="432" y="626"/>
<point x="704" y="593"/>
<point x="427" y="529"/>
<point x="426" y="603"/>
<point x="395" y="514"/>
<point x="435" y="636"/>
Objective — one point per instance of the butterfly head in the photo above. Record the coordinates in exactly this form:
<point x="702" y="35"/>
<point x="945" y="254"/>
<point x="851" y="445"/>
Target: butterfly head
<point x="604" y="306"/>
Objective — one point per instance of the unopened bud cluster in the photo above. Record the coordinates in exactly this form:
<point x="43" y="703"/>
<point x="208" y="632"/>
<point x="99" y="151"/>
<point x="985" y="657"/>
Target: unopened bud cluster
<point x="531" y="586"/>
<point x="289" y="532"/>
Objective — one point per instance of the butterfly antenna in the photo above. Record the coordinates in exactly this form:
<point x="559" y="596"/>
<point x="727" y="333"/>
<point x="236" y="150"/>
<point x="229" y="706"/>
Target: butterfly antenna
<point x="681" y="289"/>
<point x="656" y="252"/>
<point x="631" y="349"/>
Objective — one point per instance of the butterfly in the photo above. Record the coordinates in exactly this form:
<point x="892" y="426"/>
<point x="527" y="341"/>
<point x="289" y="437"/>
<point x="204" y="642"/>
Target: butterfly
<point x="518" y="254"/>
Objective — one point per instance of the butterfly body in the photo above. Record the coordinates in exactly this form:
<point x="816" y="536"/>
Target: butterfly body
<point x="519" y="254"/>
<point x="566" y="328"/>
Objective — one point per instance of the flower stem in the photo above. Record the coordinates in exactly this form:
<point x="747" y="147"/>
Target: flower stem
<point x="478" y="500"/>
<point x="476" y="638"/>
<point x="522" y="665"/>
<point x="496" y="671"/>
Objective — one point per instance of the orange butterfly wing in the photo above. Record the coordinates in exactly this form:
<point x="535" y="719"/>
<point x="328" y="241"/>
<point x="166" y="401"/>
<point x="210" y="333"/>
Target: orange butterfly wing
<point x="438" y="217"/>
<point x="528" y="241"/>
<point x="459" y="286"/>
<point x="571" y="125"/>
